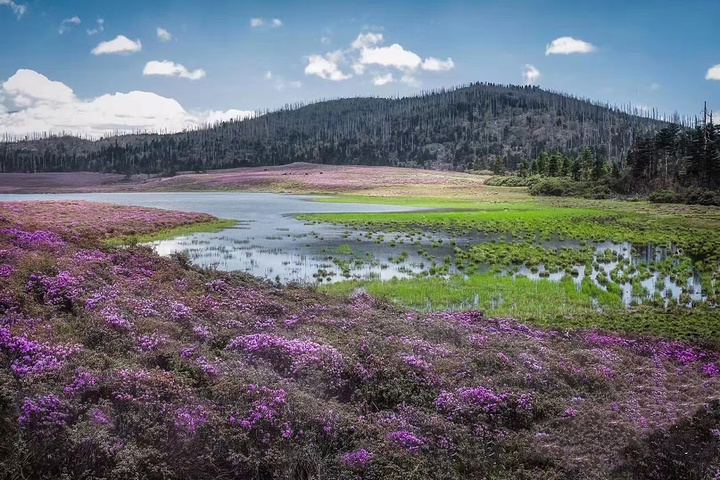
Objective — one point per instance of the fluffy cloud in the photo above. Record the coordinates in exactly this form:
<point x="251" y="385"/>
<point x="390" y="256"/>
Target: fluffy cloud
<point x="326" y="67"/>
<point x="366" y="40"/>
<point x="256" y="22"/>
<point x="568" y="45"/>
<point x="276" y="22"/>
<point x="17" y="9"/>
<point x="437" y="65"/>
<point x="531" y="75"/>
<point x="167" y="68"/>
<point x="121" y="44"/>
<point x="392" y="56"/>
<point x="366" y="54"/>
<point x="42" y="105"/>
<point x="68" y="23"/>
<point x="380" y="80"/>
<point x="163" y="35"/>
<point x="100" y="27"/>
<point x="713" y="73"/>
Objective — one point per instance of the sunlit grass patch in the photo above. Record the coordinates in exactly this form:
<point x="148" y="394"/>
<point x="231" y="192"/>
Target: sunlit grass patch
<point x="212" y="226"/>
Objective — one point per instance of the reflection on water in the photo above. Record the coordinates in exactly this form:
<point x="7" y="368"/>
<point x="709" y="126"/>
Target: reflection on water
<point x="326" y="253"/>
<point x="269" y="242"/>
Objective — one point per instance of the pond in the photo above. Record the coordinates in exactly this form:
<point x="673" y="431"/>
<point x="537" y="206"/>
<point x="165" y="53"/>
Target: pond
<point x="268" y="241"/>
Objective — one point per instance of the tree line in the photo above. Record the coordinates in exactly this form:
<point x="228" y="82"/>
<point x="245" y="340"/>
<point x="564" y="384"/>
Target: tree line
<point x="676" y="161"/>
<point x="459" y="129"/>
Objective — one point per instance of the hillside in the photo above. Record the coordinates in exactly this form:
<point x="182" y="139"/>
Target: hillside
<point x="457" y="129"/>
<point x="134" y="365"/>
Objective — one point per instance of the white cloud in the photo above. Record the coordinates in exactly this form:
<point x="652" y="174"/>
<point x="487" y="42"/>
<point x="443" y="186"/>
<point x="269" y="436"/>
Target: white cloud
<point x="276" y="22"/>
<point x="568" y="45"/>
<point x="256" y="22"/>
<point x="326" y="67"/>
<point x="367" y="55"/>
<point x="713" y="73"/>
<point x="366" y="40"/>
<point x="47" y="106"/>
<point x="324" y="40"/>
<point x="18" y="9"/>
<point x="437" y="65"/>
<point x="121" y="44"/>
<point x="654" y="87"/>
<point x="213" y="117"/>
<point x="392" y="56"/>
<point x="100" y="27"/>
<point x="380" y="80"/>
<point x="268" y="75"/>
<point x="163" y="35"/>
<point x="167" y="68"/>
<point x="530" y="75"/>
<point x="68" y="23"/>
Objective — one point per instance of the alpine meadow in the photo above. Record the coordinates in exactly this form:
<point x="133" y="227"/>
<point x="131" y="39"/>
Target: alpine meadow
<point x="359" y="241"/>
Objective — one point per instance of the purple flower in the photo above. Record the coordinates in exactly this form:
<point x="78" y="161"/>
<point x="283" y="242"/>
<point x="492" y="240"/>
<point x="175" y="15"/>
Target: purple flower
<point x="570" y="412"/>
<point x="359" y="459"/>
<point x="407" y="440"/>
<point x="82" y="381"/>
<point x="150" y="343"/>
<point x="468" y="401"/>
<point x="180" y="311"/>
<point x="190" y="418"/>
<point x="32" y="357"/>
<point x="291" y="356"/>
<point x="42" y="414"/>
<point x="6" y="270"/>
<point x="34" y="239"/>
<point x="711" y="370"/>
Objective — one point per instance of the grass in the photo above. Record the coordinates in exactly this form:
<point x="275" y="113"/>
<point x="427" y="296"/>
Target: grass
<point x="212" y="226"/>
<point x="542" y="303"/>
<point x="525" y="222"/>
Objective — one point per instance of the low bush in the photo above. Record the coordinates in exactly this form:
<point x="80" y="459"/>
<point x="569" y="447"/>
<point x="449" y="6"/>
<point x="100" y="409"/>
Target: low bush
<point x="566" y="187"/>
<point x="512" y="181"/>
<point x="665" y="196"/>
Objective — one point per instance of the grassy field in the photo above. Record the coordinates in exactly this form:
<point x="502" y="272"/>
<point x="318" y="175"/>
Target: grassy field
<point x="525" y="226"/>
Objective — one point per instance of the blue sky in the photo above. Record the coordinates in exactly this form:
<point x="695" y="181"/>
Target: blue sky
<point x="649" y="53"/>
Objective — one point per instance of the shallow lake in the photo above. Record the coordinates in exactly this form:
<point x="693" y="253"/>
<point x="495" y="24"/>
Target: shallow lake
<point x="269" y="242"/>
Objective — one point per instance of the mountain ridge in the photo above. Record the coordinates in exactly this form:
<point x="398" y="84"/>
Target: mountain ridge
<point x="454" y="129"/>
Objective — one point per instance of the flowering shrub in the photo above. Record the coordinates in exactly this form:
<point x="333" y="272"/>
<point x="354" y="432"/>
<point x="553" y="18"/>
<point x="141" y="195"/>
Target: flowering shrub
<point x="358" y="459"/>
<point x="407" y="440"/>
<point x="43" y="415"/>
<point x="59" y="290"/>
<point x="133" y="365"/>
<point x="290" y="356"/>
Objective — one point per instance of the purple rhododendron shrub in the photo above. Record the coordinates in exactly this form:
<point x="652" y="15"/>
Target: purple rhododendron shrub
<point x="118" y="363"/>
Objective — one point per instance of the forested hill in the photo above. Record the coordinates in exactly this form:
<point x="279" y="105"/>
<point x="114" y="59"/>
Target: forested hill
<point x="464" y="128"/>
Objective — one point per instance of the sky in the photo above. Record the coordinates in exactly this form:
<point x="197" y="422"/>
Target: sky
<point x="93" y="67"/>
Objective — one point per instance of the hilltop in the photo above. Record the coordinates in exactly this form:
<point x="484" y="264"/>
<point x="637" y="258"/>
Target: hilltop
<point x="459" y="129"/>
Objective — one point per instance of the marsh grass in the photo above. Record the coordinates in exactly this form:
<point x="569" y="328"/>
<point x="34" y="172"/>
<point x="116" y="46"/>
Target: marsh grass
<point x="170" y="233"/>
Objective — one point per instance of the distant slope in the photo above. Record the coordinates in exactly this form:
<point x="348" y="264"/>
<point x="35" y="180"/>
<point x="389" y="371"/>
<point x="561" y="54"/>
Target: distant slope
<point x="456" y="129"/>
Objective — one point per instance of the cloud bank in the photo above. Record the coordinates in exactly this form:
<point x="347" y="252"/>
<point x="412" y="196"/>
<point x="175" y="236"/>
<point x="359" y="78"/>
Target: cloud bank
<point x="39" y="104"/>
<point x="121" y="44"/>
<point x="167" y="68"/>
<point x="568" y="45"/>
<point x="366" y="54"/>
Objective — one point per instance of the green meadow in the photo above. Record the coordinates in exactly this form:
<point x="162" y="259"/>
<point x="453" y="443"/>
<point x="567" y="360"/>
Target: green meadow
<point x="510" y="249"/>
